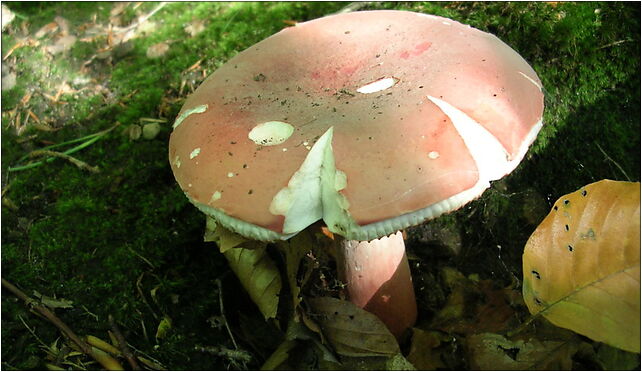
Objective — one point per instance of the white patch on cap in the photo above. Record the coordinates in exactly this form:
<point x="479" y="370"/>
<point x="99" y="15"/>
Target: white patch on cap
<point x="177" y="162"/>
<point x="446" y="23"/>
<point x="531" y="80"/>
<point x="313" y="192"/>
<point x="300" y="200"/>
<point x="215" y="196"/>
<point x="489" y="154"/>
<point x="433" y="155"/>
<point x="195" y="153"/>
<point x="378" y="85"/>
<point x="184" y="115"/>
<point x="230" y="174"/>
<point x="340" y="180"/>
<point x="271" y="133"/>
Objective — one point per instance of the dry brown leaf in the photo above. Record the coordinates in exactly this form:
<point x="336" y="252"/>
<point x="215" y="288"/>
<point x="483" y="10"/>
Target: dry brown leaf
<point x="157" y="50"/>
<point x="50" y="27"/>
<point x="195" y="27"/>
<point x="63" y="24"/>
<point x="351" y="330"/>
<point x="62" y="44"/>
<point x="582" y="264"/>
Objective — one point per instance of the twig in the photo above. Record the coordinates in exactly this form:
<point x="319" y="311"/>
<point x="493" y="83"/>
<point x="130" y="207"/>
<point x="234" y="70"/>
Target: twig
<point x="101" y="357"/>
<point x="613" y="161"/>
<point x="148" y="361"/>
<point x="236" y="355"/>
<point x="79" y="163"/>
<point x="47" y="314"/>
<point x="122" y="344"/>
<point x="614" y="43"/>
<point x="139" y="288"/>
<point x="127" y="31"/>
<point x="31" y="331"/>
<point x="220" y="301"/>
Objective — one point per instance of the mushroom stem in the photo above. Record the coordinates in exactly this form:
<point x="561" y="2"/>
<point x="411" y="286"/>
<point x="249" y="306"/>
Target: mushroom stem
<point x="377" y="277"/>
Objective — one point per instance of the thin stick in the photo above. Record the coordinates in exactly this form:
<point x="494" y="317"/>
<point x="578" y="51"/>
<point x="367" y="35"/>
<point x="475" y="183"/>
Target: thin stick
<point x="31" y="331"/>
<point x="220" y="301"/>
<point x="613" y="161"/>
<point x="122" y="344"/>
<point x="49" y="315"/>
<point x="237" y="355"/>
<point x="105" y="360"/>
<point x="614" y="43"/>
<point x="79" y="163"/>
<point x="136" y="24"/>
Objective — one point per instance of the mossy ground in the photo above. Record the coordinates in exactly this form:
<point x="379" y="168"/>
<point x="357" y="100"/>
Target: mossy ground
<point x="126" y="242"/>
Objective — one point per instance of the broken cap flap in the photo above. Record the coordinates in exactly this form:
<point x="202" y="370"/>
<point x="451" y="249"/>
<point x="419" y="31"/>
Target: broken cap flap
<point x="372" y="121"/>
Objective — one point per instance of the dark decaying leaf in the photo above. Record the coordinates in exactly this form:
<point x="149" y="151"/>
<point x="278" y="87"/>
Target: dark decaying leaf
<point x="424" y="350"/>
<point x="351" y="330"/>
<point x="490" y="351"/>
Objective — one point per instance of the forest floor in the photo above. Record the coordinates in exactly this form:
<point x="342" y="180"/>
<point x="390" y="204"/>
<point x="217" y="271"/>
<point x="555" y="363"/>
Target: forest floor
<point x="109" y="232"/>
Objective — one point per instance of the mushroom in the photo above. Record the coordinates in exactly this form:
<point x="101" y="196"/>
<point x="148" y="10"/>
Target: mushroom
<point x="371" y="121"/>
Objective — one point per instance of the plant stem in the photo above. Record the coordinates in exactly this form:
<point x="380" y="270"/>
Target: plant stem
<point x="91" y="139"/>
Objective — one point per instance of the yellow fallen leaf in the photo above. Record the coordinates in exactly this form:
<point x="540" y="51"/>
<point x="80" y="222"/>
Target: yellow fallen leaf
<point x="259" y="276"/>
<point x="582" y="264"/>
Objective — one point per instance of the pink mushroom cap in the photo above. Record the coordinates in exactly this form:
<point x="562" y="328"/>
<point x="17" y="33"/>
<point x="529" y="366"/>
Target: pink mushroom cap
<point x="372" y="121"/>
